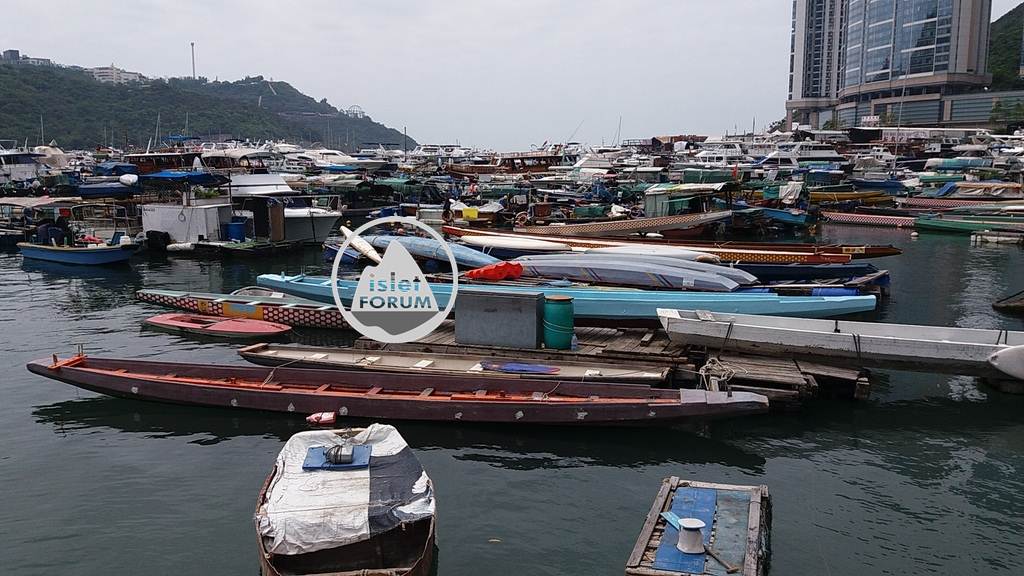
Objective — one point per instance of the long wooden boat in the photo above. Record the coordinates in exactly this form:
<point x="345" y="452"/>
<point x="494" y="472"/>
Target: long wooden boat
<point x="739" y="516"/>
<point x="869" y="219"/>
<point x="396" y="396"/>
<point x="215" y="326"/>
<point x="621" y="271"/>
<point x="283" y="309"/>
<point x="865" y="344"/>
<point x="655" y="262"/>
<point x="777" y="272"/>
<point x="310" y="532"/>
<point x="431" y="249"/>
<point x="1013" y="303"/>
<point x="754" y="252"/>
<point x="82" y="255"/>
<point x="360" y="360"/>
<point x="626" y="227"/>
<point x="964" y="225"/>
<point x="605" y="305"/>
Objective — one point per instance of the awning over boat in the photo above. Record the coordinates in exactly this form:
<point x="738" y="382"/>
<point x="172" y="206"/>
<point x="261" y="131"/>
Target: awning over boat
<point x="193" y="177"/>
<point x="692" y="189"/>
<point x="310" y="510"/>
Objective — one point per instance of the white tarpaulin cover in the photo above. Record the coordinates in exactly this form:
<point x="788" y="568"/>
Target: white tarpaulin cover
<point x="306" y="511"/>
<point x="790" y="193"/>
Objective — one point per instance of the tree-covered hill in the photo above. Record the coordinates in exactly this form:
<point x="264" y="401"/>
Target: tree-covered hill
<point x="80" y="112"/>
<point x="1004" y="50"/>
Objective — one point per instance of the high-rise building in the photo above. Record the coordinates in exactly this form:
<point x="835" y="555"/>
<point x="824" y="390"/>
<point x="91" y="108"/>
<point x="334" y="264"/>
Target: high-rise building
<point x="899" y="58"/>
<point x="815" y="60"/>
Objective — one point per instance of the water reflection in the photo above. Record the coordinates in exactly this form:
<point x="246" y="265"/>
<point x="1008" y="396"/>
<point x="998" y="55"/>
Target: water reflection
<point x="501" y="446"/>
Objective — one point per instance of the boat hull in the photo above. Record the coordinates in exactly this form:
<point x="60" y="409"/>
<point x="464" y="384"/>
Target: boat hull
<point x="289" y="311"/>
<point x="82" y="256"/>
<point x="609" y="306"/>
<point x="947" y="350"/>
<point x="409" y="396"/>
<point x="217" y="327"/>
<point x="781" y="253"/>
<point x="301" y="226"/>
<point x="626" y="227"/>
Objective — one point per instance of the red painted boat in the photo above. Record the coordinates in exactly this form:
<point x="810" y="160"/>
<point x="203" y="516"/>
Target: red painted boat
<point x="217" y="326"/>
<point x="397" y="396"/>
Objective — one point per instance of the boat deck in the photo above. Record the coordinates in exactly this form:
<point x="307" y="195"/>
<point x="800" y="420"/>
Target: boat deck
<point x="783" y="380"/>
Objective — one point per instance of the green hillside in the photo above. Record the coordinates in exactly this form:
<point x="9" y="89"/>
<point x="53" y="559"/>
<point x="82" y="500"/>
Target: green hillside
<point x="1004" y="50"/>
<point x="79" y="112"/>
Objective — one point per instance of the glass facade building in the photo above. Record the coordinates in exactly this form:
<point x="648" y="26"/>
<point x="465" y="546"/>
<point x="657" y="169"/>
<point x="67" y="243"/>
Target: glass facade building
<point x="890" y="39"/>
<point x="884" y="49"/>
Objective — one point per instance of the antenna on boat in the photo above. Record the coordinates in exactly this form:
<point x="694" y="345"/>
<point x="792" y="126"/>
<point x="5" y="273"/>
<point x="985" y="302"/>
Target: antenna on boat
<point x="578" y="126"/>
<point x="42" y="141"/>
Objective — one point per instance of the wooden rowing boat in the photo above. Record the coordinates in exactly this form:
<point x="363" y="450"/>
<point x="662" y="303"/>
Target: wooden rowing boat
<point x="864" y="344"/>
<point x="739" y="516"/>
<point x="632" y="226"/>
<point x="82" y="255"/>
<point x="772" y="250"/>
<point x="1011" y="304"/>
<point x="396" y="396"/>
<point x="726" y="251"/>
<point x="309" y="532"/>
<point x="272" y="307"/>
<point x="360" y="360"/>
<point x="238" y="328"/>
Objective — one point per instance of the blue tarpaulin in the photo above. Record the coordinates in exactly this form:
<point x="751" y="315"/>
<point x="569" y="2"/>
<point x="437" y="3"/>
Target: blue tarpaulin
<point x="115" y="169"/>
<point x="194" y="177"/>
<point x="105" y="190"/>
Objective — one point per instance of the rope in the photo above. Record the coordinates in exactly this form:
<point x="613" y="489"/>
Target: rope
<point x="725" y="341"/>
<point x="722" y="372"/>
<point x="273" y="371"/>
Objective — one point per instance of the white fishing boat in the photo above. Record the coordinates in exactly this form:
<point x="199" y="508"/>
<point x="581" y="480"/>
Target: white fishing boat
<point x="980" y="352"/>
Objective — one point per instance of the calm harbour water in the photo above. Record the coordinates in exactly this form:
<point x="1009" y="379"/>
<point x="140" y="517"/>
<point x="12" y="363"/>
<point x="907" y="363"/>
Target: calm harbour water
<point x="925" y="478"/>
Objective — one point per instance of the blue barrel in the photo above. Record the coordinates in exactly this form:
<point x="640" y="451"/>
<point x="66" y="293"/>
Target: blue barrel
<point x="236" y="231"/>
<point x="558" y="322"/>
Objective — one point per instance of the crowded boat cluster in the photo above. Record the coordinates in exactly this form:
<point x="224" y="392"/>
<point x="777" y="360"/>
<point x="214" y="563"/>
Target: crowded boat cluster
<point x="668" y="280"/>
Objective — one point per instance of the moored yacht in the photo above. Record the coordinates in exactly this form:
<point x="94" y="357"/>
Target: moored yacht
<point x="796" y="154"/>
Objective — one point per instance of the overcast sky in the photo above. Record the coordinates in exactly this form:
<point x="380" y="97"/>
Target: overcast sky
<point x="496" y="73"/>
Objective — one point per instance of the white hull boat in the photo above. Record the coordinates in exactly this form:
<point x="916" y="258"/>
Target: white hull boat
<point x="309" y="225"/>
<point x="978" y="352"/>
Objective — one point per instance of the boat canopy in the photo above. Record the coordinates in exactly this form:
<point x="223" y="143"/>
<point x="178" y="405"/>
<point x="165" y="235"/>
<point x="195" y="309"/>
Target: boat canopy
<point x="309" y="510"/>
<point x="115" y="169"/>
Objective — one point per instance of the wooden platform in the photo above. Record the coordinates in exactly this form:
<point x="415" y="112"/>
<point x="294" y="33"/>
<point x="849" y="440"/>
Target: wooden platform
<point x="738" y="530"/>
<point x="782" y="380"/>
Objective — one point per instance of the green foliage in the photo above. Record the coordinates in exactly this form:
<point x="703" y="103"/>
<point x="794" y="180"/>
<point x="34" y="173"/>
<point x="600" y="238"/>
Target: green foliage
<point x="79" y="112"/>
<point x="1009" y="113"/>
<point x="834" y="124"/>
<point x="1004" y="49"/>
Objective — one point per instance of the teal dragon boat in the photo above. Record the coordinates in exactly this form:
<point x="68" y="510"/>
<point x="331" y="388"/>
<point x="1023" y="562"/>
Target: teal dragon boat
<point x="606" y="306"/>
<point x="967" y="225"/>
